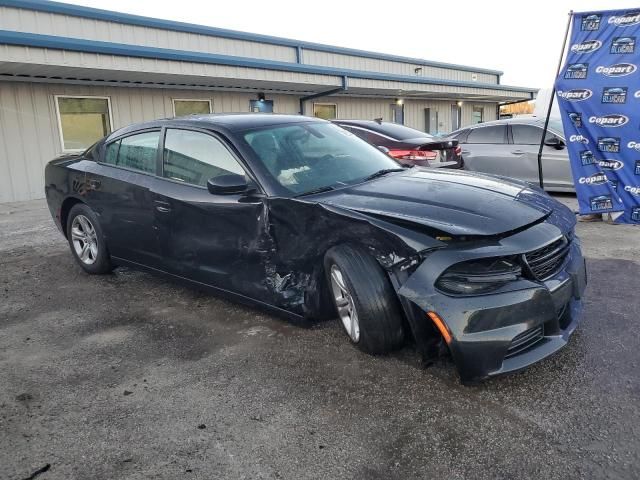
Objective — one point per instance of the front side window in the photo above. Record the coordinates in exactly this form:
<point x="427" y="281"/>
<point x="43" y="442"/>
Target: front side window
<point x="137" y="152"/>
<point x="494" y="134"/>
<point x="195" y="157"/>
<point x="326" y="111"/>
<point x="305" y="157"/>
<point x="82" y="121"/>
<point x="528" y="134"/>
<point x="189" y="107"/>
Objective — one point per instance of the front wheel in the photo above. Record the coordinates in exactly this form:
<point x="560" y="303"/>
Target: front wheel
<point x="87" y="241"/>
<point x="365" y="301"/>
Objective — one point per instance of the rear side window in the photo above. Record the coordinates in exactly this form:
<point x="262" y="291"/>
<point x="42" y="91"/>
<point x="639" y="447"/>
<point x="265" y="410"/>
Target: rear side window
<point x="491" y="134"/>
<point x="369" y="136"/>
<point x="461" y="136"/>
<point x="401" y="132"/>
<point x="138" y="152"/>
<point x="195" y="157"/>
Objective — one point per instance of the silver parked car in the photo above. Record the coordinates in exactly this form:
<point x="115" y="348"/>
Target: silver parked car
<point x="510" y="148"/>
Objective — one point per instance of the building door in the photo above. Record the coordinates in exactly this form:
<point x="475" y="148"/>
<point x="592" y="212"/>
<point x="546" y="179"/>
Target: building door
<point x="456" y="116"/>
<point x="397" y="113"/>
<point x="431" y="121"/>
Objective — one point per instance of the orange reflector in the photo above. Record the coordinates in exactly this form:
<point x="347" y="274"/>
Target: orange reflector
<point x="435" y="318"/>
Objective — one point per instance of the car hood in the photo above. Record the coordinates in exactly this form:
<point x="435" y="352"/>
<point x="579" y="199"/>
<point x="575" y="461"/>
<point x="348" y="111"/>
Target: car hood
<point x="457" y="203"/>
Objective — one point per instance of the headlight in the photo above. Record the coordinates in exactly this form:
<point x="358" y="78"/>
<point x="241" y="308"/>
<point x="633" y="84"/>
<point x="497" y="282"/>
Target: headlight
<point x="479" y="276"/>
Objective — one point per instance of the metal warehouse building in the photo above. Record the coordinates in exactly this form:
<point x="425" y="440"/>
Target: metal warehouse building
<point x="71" y="74"/>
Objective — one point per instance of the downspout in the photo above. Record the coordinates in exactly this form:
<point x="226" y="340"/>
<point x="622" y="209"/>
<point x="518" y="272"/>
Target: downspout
<point x="343" y="88"/>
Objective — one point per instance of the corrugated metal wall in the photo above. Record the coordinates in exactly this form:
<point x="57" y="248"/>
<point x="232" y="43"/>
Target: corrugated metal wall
<point x="398" y="68"/>
<point x="106" y="67"/>
<point x="69" y="26"/>
<point x="414" y="110"/>
<point x="29" y="135"/>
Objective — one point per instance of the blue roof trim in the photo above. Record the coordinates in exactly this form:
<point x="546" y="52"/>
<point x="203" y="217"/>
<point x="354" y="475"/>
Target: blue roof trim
<point x="108" y="48"/>
<point x="107" y="15"/>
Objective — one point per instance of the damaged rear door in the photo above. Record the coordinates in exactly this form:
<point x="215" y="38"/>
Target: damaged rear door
<point x="212" y="239"/>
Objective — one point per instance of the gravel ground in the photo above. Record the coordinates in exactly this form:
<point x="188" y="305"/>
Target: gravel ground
<point x="130" y="376"/>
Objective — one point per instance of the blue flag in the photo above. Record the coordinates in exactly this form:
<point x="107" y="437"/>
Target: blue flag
<point x="598" y="91"/>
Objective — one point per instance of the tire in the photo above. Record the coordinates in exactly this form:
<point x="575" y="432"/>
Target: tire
<point x="367" y="292"/>
<point x="86" y="240"/>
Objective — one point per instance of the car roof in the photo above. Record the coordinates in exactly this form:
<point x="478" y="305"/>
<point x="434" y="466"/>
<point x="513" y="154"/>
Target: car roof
<point x="504" y="121"/>
<point x="357" y="121"/>
<point x="228" y="121"/>
<point x="520" y="120"/>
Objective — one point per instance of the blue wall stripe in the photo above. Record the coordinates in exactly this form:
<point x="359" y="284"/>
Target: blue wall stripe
<point x="107" y="15"/>
<point x="94" y="46"/>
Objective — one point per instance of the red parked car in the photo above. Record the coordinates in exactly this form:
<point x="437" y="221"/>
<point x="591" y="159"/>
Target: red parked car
<point x="407" y="145"/>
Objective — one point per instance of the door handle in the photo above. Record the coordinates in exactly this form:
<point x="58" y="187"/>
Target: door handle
<point x="94" y="184"/>
<point x="162" y="207"/>
<point x="464" y="152"/>
<point x="518" y="152"/>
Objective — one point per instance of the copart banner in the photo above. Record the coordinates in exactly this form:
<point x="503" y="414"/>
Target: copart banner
<point x="598" y="92"/>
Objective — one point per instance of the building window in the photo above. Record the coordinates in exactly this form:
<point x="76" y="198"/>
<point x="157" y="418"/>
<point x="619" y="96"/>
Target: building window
<point x="189" y="107"/>
<point x="477" y="115"/>
<point x="82" y="120"/>
<point x="328" y="111"/>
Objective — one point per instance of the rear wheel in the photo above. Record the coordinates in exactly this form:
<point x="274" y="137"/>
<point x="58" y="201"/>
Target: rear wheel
<point x="87" y="241"/>
<point x="365" y="301"/>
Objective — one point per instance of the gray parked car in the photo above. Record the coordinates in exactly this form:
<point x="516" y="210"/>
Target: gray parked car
<point x="510" y="148"/>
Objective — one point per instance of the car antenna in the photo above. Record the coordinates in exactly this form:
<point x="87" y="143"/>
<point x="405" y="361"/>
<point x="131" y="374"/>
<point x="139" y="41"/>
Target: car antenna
<point x="378" y="120"/>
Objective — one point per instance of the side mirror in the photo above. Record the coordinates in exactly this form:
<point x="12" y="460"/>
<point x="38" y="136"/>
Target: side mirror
<point x="383" y="149"/>
<point x="227" y="184"/>
<point x="554" y="142"/>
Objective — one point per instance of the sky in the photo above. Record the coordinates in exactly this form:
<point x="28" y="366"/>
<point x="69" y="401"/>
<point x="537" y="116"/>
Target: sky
<point x="521" y="38"/>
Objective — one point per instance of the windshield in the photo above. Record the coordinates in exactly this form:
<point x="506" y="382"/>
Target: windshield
<point x="306" y="157"/>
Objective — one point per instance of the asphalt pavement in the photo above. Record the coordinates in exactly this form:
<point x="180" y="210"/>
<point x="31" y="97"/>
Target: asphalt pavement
<point x="132" y="376"/>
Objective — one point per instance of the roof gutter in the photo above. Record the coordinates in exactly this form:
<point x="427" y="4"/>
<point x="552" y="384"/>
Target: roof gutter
<point x="343" y="88"/>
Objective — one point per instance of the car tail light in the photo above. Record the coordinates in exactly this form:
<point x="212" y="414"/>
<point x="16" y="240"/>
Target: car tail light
<point x="413" y="154"/>
<point x="458" y="150"/>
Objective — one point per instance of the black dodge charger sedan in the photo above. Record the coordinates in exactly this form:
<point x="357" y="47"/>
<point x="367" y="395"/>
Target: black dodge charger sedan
<point x="301" y="217"/>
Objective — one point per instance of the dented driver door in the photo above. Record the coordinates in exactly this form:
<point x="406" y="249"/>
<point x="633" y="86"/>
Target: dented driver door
<point x="212" y="239"/>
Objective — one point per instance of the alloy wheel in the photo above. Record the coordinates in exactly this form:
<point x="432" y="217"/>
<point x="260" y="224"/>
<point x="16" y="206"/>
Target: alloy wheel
<point x="344" y="302"/>
<point x="85" y="239"/>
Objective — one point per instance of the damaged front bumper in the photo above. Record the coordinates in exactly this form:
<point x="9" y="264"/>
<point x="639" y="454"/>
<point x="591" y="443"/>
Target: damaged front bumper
<point x="510" y="329"/>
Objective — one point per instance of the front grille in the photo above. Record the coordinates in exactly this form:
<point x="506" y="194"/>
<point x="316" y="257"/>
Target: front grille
<point x="525" y="341"/>
<point x="545" y="262"/>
